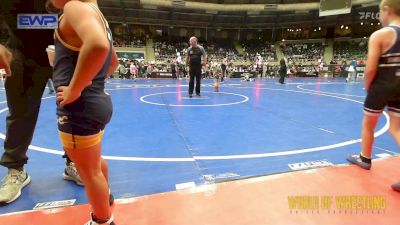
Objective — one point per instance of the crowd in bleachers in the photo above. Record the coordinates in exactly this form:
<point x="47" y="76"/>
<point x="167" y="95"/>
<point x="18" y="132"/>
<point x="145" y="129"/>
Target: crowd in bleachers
<point x="349" y="50"/>
<point x="304" y="53"/>
<point x="217" y="51"/>
<point x="168" y="50"/>
<point x="135" y="41"/>
<point x="300" y="57"/>
<point x="132" y="69"/>
<point x="253" y="48"/>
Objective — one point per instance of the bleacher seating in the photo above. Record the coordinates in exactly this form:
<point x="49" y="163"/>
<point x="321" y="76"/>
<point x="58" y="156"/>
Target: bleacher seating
<point x="348" y="50"/>
<point x="265" y="50"/>
<point x="304" y="53"/>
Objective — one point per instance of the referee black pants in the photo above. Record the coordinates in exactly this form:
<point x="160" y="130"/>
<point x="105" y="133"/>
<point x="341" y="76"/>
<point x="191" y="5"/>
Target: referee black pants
<point x="24" y="91"/>
<point x="194" y="73"/>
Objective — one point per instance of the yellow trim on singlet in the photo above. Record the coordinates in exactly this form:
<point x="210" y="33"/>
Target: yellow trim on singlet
<point x="74" y="48"/>
<point x="100" y="14"/>
<point x="70" y="47"/>
<point x="71" y="141"/>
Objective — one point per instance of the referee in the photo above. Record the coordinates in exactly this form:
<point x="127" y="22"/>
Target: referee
<point x="193" y="59"/>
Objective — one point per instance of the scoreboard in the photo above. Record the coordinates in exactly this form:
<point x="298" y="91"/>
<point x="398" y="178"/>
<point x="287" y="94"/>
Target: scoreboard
<point x="334" y="7"/>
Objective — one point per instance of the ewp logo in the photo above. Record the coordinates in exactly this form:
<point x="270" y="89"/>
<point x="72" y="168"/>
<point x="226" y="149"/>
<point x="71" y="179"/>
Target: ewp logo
<point x="37" y="21"/>
<point x="369" y="15"/>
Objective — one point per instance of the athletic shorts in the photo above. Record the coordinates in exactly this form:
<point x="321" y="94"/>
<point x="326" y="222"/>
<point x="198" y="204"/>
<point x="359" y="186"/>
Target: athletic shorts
<point x="383" y="94"/>
<point x="79" y="133"/>
<point x="81" y="123"/>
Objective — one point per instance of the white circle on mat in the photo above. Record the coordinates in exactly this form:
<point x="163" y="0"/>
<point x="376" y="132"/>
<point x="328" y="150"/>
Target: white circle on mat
<point x="245" y="99"/>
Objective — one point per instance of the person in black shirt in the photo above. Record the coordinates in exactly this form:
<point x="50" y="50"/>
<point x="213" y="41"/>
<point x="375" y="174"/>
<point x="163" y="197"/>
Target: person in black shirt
<point x="27" y="67"/>
<point x="332" y="66"/>
<point x="194" y="56"/>
<point x="223" y="68"/>
<point x="282" y="71"/>
<point x="173" y="69"/>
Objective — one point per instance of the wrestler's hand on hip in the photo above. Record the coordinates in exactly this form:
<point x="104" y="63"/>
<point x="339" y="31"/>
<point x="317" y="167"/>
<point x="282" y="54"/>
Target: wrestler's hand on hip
<point x="65" y="95"/>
